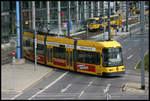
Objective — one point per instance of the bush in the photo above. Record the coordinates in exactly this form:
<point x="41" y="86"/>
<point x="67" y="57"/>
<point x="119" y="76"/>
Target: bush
<point x="146" y="60"/>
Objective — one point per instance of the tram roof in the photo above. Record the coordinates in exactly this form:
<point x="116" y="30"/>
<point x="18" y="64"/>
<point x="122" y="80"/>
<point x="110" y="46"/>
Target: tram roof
<point x="88" y="43"/>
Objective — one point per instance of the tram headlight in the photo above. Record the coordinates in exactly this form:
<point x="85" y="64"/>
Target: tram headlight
<point x="110" y="69"/>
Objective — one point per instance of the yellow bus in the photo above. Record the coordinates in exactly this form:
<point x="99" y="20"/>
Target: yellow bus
<point x="102" y="58"/>
<point x="97" y="23"/>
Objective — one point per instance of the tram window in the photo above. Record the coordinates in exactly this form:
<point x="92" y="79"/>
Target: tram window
<point x="101" y="21"/>
<point x="59" y="52"/>
<point x="71" y="59"/>
<point x="27" y="46"/>
<point x="111" y="19"/>
<point x="51" y="55"/>
<point x="27" y="43"/>
<point x="48" y="50"/>
<point x="88" y="57"/>
<point x="40" y="49"/>
<point x="116" y="18"/>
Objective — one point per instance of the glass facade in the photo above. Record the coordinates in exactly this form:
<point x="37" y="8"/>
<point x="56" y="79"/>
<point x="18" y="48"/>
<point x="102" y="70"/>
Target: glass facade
<point x="78" y="14"/>
<point x="8" y="16"/>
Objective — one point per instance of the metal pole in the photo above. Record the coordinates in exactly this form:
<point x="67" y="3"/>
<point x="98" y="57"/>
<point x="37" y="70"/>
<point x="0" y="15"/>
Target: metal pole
<point x="102" y="8"/>
<point x="48" y="13"/>
<point x="30" y="23"/>
<point x="68" y="18"/>
<point x="98" y="8"/>
<point x="114" y="6"/>
<point x="40" y="4"/>
<point x="59" y="18"/>
<point x="34" y="29"/>
<point x="103" y="13"/>
<point x="109" y="37"/>
<point x="91" y="8"/>
<point x="77" y="14"/>
<point x="18" y="29"/>
<point x="142" y="44"/>
<point x="77" y="8"/>
<point x="85" y="10"/>
<point x="127" y="6"/>
<point x="21" y="25"/>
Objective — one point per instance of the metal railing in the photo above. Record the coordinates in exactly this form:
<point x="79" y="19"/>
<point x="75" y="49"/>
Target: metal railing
<point x="137" y="27"/>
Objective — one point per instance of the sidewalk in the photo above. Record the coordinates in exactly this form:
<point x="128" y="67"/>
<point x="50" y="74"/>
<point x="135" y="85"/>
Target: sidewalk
<point x="22" y="76"/>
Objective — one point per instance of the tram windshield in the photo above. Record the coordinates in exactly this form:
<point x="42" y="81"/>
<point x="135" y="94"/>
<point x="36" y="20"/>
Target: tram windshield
<point x="112" y="57"/>
<point x="93" y="21"/>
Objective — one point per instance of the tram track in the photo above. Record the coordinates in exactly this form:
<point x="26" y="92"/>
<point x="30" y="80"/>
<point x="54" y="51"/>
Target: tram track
<point x="87" y="36"/>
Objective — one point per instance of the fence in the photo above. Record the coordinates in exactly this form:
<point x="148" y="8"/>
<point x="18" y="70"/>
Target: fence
<point x="137" y="27"/>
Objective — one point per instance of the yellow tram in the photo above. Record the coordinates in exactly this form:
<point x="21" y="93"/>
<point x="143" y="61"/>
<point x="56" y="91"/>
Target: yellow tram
<point x="98" y="58"/>
<point x="97" y="23"/>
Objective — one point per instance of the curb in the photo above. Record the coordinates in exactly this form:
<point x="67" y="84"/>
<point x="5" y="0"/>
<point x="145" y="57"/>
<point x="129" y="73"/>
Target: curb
<point x="129" y="88"/>
<point x="37" y="81"/>
<point x="77" y="33"/>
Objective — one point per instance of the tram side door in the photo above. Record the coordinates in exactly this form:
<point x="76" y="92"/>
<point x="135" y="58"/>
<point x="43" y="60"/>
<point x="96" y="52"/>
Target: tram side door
<point x="49" y="55"/>
<point x="69" y="58"/>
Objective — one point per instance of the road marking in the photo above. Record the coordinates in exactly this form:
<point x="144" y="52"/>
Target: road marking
<point x="129" y="49"/>
<point x="107" y="88"/>
<point x="63" y="90"/>
<point x="129" y="57"/>
<point x="81" y="93"/>
<point x="16" y="96"/>
<point x="137" y="63"/>
<point x="90" y="83"/>
<point x="125" y="39"/>
<point x="48" y="86"/>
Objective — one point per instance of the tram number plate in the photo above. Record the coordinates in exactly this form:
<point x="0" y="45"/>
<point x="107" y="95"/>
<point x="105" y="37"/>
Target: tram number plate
<point x="37" y="58"/>
<point x="82" y="67"/>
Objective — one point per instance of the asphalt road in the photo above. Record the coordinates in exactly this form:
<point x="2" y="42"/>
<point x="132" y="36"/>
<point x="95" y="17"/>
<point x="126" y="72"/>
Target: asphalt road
<point x="132" y="48"/>
<point x="62" y="84"/>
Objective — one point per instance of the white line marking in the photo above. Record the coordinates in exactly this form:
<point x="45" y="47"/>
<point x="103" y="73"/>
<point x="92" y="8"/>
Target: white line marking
<point x="129" y="49"/>
<point x="90" y="83"/>
<point x="16" y="96"/>
<point x="63" y="90"/>
<point x="137" y="63"/>
<point x="81" y="93"/>
<point x="129" y="57"/>
<point x="107" y="88"/>
<point x="125" y="39"/>
<point x="48" y="86"/>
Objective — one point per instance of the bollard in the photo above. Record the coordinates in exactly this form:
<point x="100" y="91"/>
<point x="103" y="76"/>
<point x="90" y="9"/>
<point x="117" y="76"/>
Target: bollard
<point x="13" y="54"/>
<point x="13" y="72"/>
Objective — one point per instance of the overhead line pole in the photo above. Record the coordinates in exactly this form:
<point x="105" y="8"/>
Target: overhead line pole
<point x="59" y="18"/>
<point x="127" y="7"/>
<point x="109" y="37"/>
<point x="34" y="29"/>
<point x="21" y="28"/>
<point x="18" y="29"/>
<point x="68" y="18"/>
<point x="48" y="13"/>
<point x="142" y="44"/>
